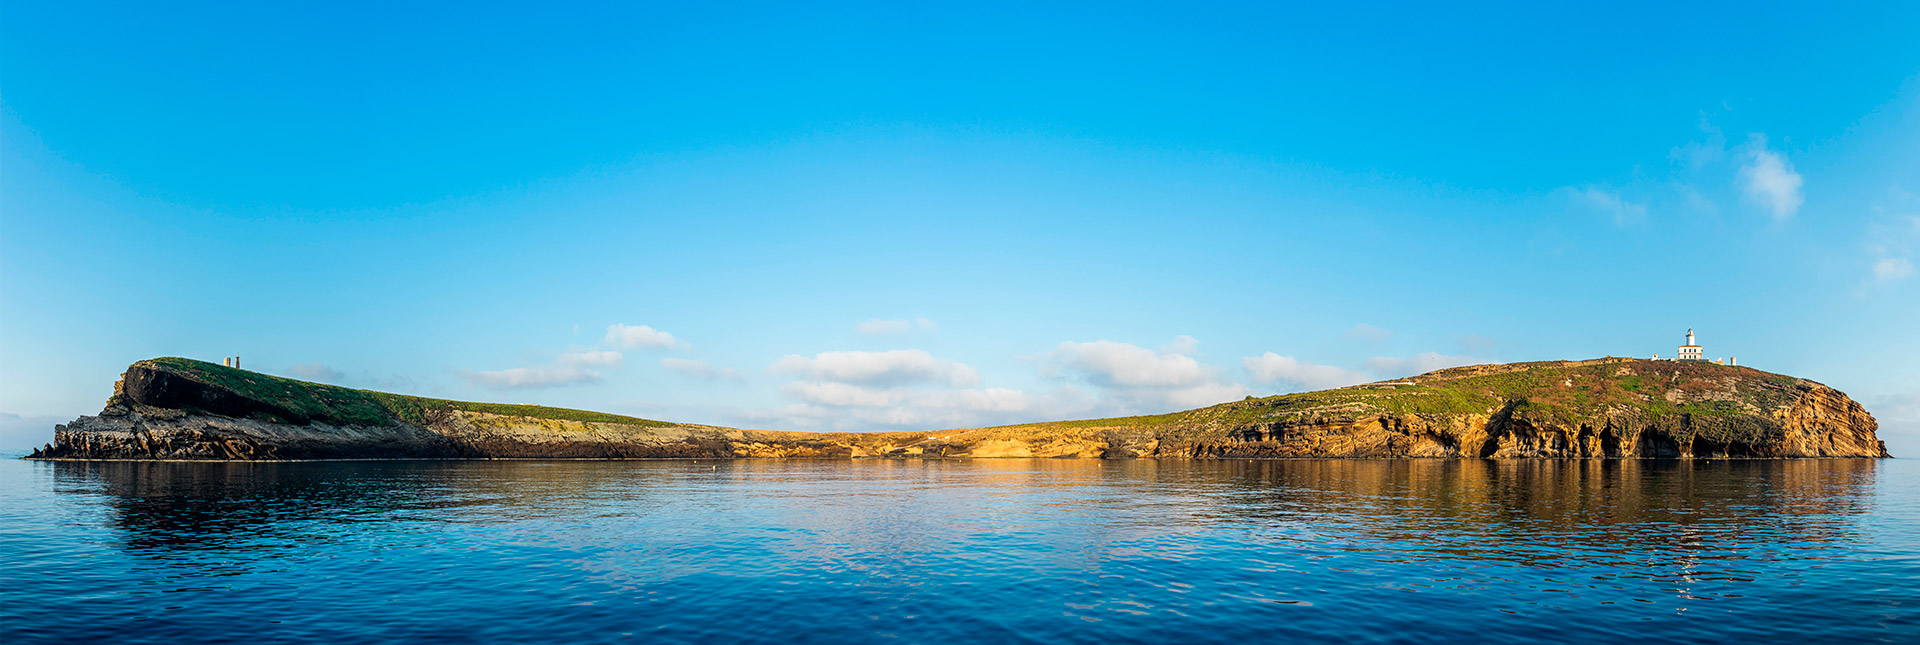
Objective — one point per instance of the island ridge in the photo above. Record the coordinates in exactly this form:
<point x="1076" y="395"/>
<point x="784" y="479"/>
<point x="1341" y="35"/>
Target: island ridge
<point x="1611" y="408"/>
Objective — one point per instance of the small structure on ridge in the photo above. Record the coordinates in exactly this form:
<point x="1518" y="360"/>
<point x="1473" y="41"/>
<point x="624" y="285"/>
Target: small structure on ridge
<point x="1692" y="351"/>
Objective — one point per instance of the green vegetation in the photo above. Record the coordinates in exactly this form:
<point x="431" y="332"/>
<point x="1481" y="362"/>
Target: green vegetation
<point x="347" y="406"/>
<point x="417" y="410"/>
<point x="313" y="400"/>
<point x="1138" y="422"/>
<point x="1719" y="402"/>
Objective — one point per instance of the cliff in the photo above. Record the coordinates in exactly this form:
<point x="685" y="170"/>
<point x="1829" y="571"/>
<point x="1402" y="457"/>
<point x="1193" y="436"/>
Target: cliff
<point x="175" y="408"/>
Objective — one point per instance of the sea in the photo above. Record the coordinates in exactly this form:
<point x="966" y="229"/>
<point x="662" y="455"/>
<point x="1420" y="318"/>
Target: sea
<point x="983" y="551"/>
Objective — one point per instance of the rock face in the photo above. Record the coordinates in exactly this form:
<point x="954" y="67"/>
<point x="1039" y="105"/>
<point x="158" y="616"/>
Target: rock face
<point x="1607" y="408"/>
<point x="173" y="408"/>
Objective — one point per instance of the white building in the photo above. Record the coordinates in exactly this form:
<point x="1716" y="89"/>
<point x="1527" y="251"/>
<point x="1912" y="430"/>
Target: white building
<point x="1691" y="351"/>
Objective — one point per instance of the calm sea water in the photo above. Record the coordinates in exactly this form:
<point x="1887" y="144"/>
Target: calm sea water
<point x="961" y="551"/>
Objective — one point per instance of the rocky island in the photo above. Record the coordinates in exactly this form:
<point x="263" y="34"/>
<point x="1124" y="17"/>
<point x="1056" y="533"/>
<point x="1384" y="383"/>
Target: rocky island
<point x="1610" y="408"/>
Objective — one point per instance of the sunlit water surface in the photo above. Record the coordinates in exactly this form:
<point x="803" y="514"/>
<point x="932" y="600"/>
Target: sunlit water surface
<point x="961" y="551"/>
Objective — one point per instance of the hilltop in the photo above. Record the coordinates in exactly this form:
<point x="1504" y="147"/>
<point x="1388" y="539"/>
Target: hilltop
<point x="176" y="408"/>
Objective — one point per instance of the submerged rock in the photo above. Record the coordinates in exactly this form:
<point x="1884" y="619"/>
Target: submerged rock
<point x="175" y="408"/>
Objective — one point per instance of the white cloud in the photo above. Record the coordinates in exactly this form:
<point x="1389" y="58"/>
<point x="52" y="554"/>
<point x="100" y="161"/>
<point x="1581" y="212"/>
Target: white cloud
<point x="925" y="323"/>
<point x="1769" y="180"/>
<point x="315" y="372"/>
<point x="592" y="358"/>
<point x="909" y="389"/>
<point x="1893" y="236"/>
<point x="1368" y="333"/>
<point x="1395" y="367"/>
<point x="701" y="369"/>
<point x="1182" y="344"/>
<point x="1110" y="364"/>
<point x="1695" y="202"/>
<point x="575" y="366"/>
<point x="894" y="367"/>
<point x="1274" y="368"/>
<point x="992" y="399"/>
<point x="571" y="368"/>
<point x="527" y="378"/>
<point x="906" y="390"/>
<point x="1271" y="368"/>
<point x="1611" y="204"/>
<point x="1697" y="155"/>
<point x="842" y="394"/>
<point x="841" y="406"/>
<point x="1703" y="176"/>
<point x="1192" y="396"/>
<point x="1700" y="154"/>
<point x="1892" y="269"/>
<point x="642" y="337"/>
<point x="1141" y="379"/>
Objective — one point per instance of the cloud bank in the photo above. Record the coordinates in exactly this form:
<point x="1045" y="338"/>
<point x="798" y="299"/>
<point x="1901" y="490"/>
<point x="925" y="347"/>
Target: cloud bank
<point x="529" y="378"/>
<point x="1611" y="204"/>
<point x="573" y="367"/>
<point x="1892" y="270"/>
<point x="908" y="388"/>
<point x="1894" y="238"/>
<point x="896" y="367"/>
<point x="1274" y="369"/>
<point x="1769" y="180"/>
<point x="701" y="369"/>
<point x="1141" y="379"/>
<point x="592" y="358"/>
<point x="642" y="337"/>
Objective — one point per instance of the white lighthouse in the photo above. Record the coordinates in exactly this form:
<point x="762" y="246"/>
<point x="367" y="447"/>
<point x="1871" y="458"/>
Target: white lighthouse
<point x="1691" y="351"/>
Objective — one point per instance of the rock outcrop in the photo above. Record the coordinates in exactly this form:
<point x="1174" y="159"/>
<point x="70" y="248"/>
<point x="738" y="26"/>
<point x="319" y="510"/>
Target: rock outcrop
<point x="172" y="408"/>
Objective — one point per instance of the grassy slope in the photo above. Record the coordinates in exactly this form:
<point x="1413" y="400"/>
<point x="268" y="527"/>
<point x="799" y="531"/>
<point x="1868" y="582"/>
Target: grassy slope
<point x="1582" y="389"/>
<point x="1560" y="391"/>
<point x="1563" y="391"/>
<point x="348" y="406"/>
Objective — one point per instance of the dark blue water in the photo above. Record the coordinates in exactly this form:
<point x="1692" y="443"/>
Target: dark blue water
<point x="963" y="551"/>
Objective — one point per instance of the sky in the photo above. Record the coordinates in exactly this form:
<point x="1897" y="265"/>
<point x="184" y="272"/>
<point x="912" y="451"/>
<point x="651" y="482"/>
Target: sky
<point x="875" y="217"/>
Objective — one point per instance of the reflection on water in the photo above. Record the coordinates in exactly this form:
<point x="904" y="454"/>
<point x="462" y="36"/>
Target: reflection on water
<point x="989" y="550"/>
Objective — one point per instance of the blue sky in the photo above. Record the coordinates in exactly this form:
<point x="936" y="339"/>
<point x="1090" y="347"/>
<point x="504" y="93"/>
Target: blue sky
<point x="873" y="217"/>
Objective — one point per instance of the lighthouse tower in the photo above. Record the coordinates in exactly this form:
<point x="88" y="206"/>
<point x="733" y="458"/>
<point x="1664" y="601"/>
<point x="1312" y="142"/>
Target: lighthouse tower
<point x="1691" y="351"/>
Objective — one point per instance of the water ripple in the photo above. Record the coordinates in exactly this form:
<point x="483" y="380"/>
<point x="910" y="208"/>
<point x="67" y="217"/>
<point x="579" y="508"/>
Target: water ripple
<point x="965" y="551"/>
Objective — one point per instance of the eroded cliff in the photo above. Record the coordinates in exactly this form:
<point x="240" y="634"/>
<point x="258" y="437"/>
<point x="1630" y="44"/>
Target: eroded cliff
<point x="173" y="408"/>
